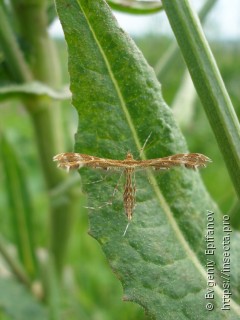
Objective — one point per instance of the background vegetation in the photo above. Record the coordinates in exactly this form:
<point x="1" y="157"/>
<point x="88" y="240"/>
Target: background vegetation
<point x="88" y="289"/>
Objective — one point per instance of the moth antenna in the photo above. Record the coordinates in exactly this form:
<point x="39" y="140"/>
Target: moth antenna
<point x="144" y="145"/>
<point x="126" y="229"/>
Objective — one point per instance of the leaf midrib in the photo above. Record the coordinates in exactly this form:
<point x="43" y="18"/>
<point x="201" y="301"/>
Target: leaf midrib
<point x="163" y="203"/>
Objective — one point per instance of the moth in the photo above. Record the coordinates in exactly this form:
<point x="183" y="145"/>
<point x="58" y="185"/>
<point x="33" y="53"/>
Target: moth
<point x="71" y="161"/>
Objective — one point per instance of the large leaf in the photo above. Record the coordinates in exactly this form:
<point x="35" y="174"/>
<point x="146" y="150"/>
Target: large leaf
<point x="161" y="261"/>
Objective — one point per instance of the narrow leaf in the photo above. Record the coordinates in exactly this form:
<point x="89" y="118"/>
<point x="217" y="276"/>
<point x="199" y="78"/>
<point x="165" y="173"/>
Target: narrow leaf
<point x="32" y="88"/>
<point x="20" y="205"/>
<point x="208" y="83"/>
<point x="136" y="7"/>
<point x="160" y="261"/>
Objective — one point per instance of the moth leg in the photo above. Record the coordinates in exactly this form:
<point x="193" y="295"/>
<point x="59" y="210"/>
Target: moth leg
<point x="115" y="190"/>
<point x="109" y="202"/>
<point x="103" y="178"/>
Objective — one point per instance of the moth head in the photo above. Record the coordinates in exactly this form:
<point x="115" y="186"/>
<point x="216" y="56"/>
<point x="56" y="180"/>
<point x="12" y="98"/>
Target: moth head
<point x="129" y="156"/>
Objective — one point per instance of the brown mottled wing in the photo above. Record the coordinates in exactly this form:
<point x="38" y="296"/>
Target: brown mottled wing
<point x="72" y="160"/>
<point x="188" y="160"/>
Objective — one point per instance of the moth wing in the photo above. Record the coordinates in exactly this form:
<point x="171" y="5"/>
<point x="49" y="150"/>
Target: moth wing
<point x="71" y="161"/>
<point x="188" y="160"/>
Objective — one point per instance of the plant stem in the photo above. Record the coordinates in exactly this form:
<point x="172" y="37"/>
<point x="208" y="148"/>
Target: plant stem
<point x="46" y="117"/>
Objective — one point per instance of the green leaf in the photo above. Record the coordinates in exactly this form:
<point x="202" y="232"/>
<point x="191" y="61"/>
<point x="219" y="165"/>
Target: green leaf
<point x="20" y="205"/>
<point x="161" y="260"/>
<point x="16" y="302"/>
<point x="32" y="88"/>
